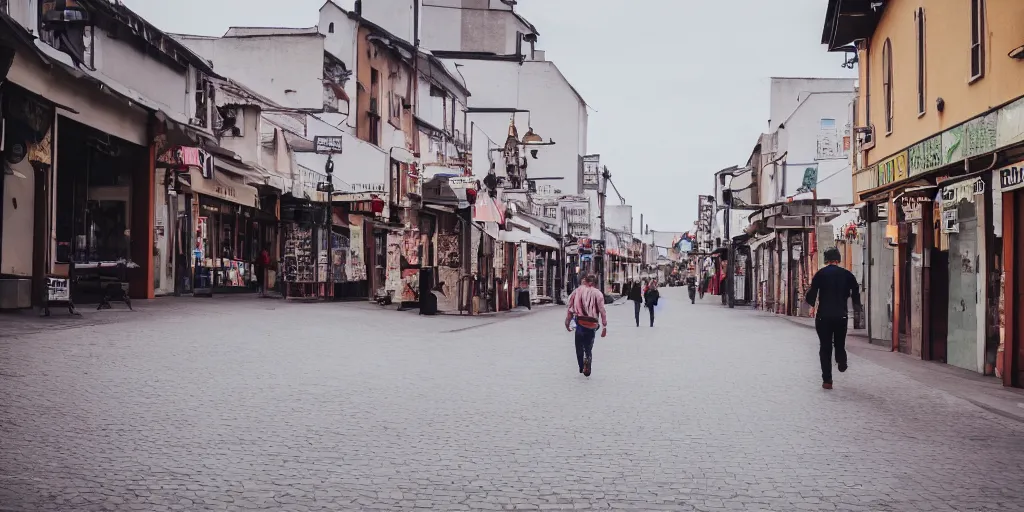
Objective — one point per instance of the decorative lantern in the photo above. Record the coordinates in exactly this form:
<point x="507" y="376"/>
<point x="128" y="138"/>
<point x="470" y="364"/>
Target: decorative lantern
<point x="471" y="196"/>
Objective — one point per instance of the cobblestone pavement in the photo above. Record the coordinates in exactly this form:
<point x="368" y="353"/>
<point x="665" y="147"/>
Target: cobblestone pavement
<point x="242" y="405"/>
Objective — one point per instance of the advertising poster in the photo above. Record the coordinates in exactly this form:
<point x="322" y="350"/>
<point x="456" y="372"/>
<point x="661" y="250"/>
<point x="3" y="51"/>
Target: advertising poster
<point x="393" y="278"/>
<point x="355" y="266"/>
<point x="410" y="260"/>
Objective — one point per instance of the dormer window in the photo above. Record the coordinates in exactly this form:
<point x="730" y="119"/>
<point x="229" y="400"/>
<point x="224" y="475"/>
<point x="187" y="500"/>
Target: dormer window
<point x="64" y="24"/>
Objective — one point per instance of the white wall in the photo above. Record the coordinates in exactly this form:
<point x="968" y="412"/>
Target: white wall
<point x="395" y="16"/>
<point x="800" y="139"/>
<point x="342" y="45"/>
<point x="154" y="79"/>
<point x="788" y="93"/>
<point x="442" y="26"/>
<point x="480" y="26"/>
<point x="360" y="163"/>
<point x="18" y="222"/>
<point x="556" y="113"/>
<point x="619" y="216"/>
<point x="287" y="69"/>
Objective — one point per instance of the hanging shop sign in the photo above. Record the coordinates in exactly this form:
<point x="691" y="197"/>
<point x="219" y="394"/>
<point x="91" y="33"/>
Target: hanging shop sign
<point x="591" y="171"/>
<point x="892" y="169"/>
<point x="1012" y="177"/>
<point x="962" y="191"/>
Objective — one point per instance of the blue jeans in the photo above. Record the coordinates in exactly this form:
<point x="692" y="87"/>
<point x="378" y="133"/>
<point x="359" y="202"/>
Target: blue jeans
<point x="584" y="344"/>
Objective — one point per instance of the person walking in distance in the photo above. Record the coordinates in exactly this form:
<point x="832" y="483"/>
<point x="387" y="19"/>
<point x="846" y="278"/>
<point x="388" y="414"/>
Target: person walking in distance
<point x="636" y="294"/>
<point x="832" y="287"/>
<point x="651" y="297"/>
<point x="691" y="287"/>
<point x="586" y="306"/>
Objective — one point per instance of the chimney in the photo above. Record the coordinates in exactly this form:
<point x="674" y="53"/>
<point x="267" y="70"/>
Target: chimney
<point x="538" y="55"/>
<point x="359" y="7"/>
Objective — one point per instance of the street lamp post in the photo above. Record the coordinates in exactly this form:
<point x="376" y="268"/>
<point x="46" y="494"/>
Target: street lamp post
<point x="602" y="198"/>
<point x="329" y="232"/>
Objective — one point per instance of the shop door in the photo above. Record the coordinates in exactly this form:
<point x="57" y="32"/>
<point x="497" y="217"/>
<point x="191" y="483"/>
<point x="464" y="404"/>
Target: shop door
<point x="939" y="305"/>
<point x="962" y="322"/>
<point x="1017" y="357"/>
<point x="880" y="286"/>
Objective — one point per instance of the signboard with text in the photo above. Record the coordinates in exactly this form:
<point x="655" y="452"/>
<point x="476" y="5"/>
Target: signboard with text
<point x="1012" y="177"/>
<point x="591" y="172"/>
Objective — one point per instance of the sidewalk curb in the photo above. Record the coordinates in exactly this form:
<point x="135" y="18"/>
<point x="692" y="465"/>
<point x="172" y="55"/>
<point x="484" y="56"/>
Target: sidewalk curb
<point x="979" y="390"/>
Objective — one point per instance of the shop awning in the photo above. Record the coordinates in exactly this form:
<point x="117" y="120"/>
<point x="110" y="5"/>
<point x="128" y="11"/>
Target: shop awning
<point x="536" y="237"/>
<point x="223" y="187"/>
<point x="487" y="210"/>
<point x="756" y="243"/>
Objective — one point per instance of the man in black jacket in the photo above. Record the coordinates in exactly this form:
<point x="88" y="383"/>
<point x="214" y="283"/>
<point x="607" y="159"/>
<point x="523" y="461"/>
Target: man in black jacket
<point x="832" y="287"/>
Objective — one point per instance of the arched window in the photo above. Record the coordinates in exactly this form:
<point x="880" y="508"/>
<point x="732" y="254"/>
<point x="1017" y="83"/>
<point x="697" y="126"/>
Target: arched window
<point x="330" y="28"/>
<point x="887" y="83"/>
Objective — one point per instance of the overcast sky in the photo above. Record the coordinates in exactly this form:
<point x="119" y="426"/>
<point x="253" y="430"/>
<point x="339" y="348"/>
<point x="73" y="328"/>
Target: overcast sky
<point x="679" y="88"/>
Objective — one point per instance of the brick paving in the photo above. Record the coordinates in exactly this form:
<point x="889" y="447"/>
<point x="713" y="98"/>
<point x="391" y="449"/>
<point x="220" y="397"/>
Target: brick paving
<point x="264" y="405"/>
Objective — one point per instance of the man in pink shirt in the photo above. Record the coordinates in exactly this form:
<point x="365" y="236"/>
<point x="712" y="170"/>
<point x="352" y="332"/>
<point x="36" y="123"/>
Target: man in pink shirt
<point x="586" y="305"/>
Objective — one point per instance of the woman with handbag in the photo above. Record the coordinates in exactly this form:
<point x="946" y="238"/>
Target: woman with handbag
<point x="586" y="306"/>
<point x="651" y="296"/>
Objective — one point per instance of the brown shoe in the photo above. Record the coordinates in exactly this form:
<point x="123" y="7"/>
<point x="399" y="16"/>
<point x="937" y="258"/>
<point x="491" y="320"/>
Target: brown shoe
<point x="827" y="385"/>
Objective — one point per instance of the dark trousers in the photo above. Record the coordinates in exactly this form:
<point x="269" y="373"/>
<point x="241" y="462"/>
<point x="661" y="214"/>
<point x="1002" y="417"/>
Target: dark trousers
<point x="831" y="333"/>
<point x="693" y="294"/>
<point x="650" y="308"/>
<point x="584" y="344"/>
<point x="636" y="311"/>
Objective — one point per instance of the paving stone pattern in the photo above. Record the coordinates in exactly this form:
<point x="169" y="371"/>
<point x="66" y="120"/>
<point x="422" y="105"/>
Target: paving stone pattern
<point x="263" y="405"/>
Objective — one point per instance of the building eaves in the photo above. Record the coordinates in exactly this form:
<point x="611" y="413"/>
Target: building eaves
<point x="847" y="21"/>
<point x="148" y="34"/>
<point x="271" y="31"/>
<point x="456" y="54"/>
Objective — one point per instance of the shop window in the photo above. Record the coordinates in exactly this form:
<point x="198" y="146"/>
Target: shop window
<point x="977" y="39"/>
<point x="887" y="92"/>
<point x="204" y="97"/>
<point x="395" y="103"/>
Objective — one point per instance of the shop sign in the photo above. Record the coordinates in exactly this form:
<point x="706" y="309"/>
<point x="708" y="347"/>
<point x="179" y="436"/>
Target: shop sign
<point x="57" y="289"/>
<point x="962" y="191"/>
<point x="1012" y="177"/>
<point x="866" y="179"/>
<point x="953" y="145"/>
<point x="591" y="171"/>
<point x="461" y="182"/>
<point x="980" y="135"/>
<point x="225" y="191"/>
<point x="892" y="169"/>
<point x="925" y="156"/>
<point x="367" y="187"/>
<point x="1010" y="127"/>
